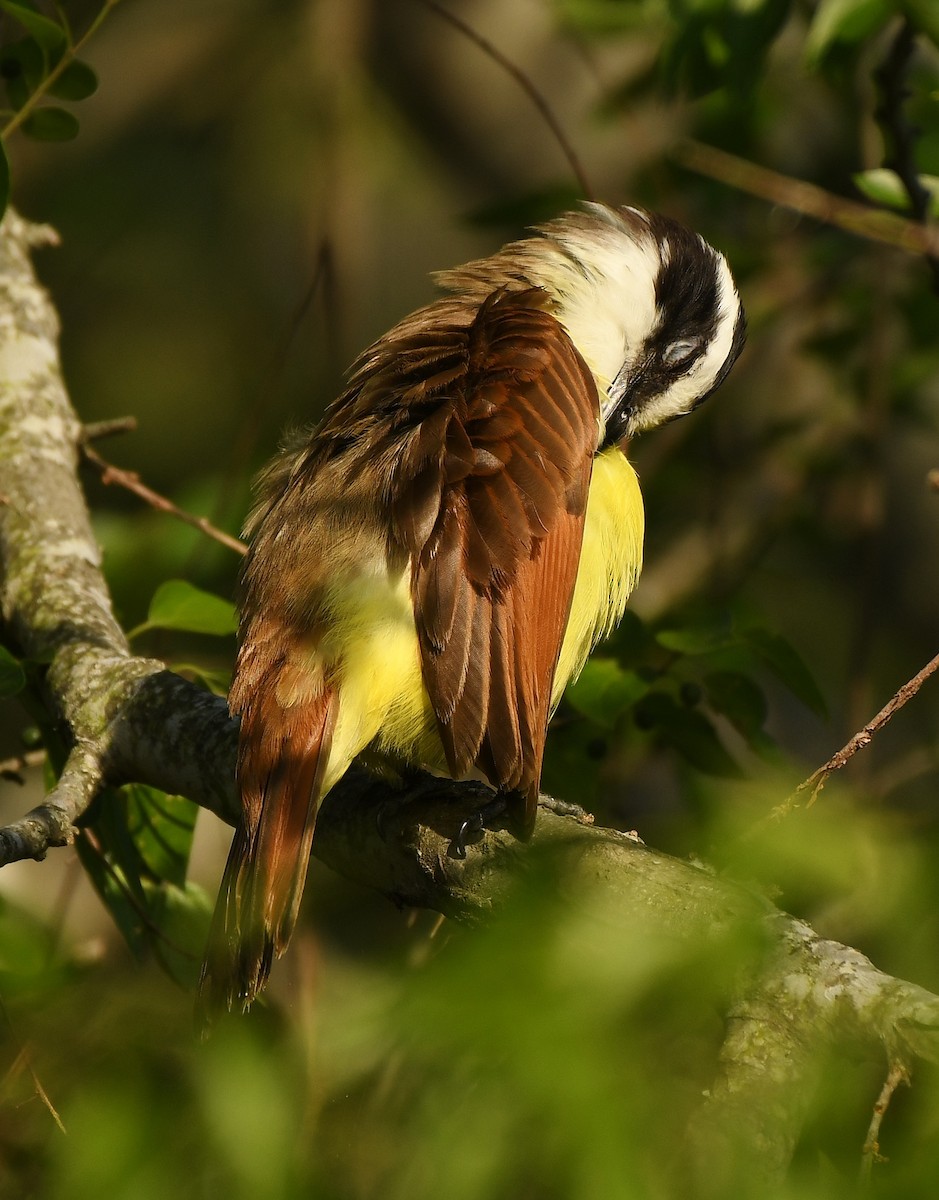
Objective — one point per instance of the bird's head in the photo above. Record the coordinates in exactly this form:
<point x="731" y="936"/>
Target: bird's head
<point x="651" y="306"/>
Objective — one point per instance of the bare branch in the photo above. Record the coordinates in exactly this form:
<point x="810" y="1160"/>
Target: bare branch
<point x="54" y="600"/>
<point x="817" y="780"/>
<point x="870" y="1154"/>
<point x="132" y="482"/>
<point x="811" y="201"/>
<point x="95" y="430"/>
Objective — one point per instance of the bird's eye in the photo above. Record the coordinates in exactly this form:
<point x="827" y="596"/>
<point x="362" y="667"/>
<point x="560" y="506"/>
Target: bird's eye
<point x="678" y="354"/>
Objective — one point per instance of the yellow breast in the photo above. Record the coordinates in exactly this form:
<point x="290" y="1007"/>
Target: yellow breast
<point x="610" y="562"/>
<point x="371" y="643"/>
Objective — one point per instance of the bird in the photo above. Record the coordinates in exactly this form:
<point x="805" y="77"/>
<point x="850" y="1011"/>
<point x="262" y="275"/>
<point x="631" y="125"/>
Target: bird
<point x="430" y="567"/>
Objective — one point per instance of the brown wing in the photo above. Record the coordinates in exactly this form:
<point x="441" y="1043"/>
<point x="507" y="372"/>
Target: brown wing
<point x="489" y="500"/>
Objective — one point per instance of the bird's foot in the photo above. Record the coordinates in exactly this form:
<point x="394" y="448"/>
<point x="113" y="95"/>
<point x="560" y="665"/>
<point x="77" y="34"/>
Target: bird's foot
<point x="476" y="825"/>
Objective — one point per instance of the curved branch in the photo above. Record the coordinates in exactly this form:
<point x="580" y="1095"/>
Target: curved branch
<point x="54" y="600"/>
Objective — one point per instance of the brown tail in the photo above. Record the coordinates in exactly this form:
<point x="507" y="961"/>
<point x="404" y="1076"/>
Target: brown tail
<point x="282" y="755"/>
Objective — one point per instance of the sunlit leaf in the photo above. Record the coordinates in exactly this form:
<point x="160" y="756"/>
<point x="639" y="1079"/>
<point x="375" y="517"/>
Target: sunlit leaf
<point x="51" y="125"/>
<point x="605" y="690"/>
<point x="113" y="866"/>
<point x="886" y="188"/>
<point x="162" y="829"/>
<point x="180" y="605"/>
<point x="137" y="862"/>
<point x="844" y="21"/>
<point x="695" y="639"/>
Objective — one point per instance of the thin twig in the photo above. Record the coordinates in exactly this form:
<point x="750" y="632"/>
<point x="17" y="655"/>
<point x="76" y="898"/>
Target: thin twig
<point x="899" y="134"/>
<point x="96" y="430"/>
<point x="817" y="780"/>
<point x="24" y="1059"/>
<point x="132" y="482"/>
<point x="870" y="1153"/>
<point x="806" y="198"/>
<point x="526" y="85"/>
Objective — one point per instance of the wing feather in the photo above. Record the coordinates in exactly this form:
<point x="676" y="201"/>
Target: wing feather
<point x="505" y="455"/>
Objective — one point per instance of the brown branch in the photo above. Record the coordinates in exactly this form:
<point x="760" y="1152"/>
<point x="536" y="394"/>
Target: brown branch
<point x="132" y="482"/>
<point x="870" y="1153"/>
<point x="817" y="780"/>
<point x="527" y="87"/>
<point x="806" y="198"/>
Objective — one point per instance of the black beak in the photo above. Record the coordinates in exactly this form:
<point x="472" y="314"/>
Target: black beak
<point x="625" y="391"/>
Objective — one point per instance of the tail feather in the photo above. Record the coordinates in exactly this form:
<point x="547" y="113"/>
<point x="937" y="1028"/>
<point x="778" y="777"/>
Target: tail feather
<point x="282" y="758"/>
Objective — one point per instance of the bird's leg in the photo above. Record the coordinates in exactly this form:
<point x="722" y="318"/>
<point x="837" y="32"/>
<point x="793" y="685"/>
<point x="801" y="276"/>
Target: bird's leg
<point x="406" y="779"/>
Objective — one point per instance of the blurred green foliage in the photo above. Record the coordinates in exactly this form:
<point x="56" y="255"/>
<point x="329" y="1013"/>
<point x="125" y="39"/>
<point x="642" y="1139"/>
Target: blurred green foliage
<point x="254" y="195"/>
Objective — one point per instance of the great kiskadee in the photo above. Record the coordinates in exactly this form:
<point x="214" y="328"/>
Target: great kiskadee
<point x="431" y="567"/>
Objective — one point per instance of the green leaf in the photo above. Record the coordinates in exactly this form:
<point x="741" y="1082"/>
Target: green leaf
<point x="22" y="68"/>
<point x="885" y="188"/>
<point x="784" y="661"/>
<point x="161" y="828"/>
<point x="51" y="125"/>
<point x="695" y="639"/>
<point x="182" y="916"/>
<point x="12" y="675"/>
<point x="737" y="697"/>
<point x="138" y="868"/>
<point x="177" y="604"/>
<point x="217" y="681"/>
<point x="113" y="867"/>
<point x="844" y="21"/>
<point x="77" y="82"/>
<point x="688" y="732"/>
<point x="605" y="690"/>
<point x="924" y="14"/>
<point x="48" y="34"/>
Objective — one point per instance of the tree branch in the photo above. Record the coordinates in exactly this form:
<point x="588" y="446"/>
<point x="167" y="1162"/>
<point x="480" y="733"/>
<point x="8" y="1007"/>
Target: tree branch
<point x="119" y="715"/>
<point x="808" y="199"/>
